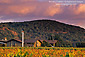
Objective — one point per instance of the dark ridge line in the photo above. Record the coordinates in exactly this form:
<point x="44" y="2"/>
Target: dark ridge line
<point x="41" y="21"/>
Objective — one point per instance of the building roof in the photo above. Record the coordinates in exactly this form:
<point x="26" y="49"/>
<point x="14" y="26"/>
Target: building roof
<point x="2" y="43"/>
<point x="34" y="40"/>
<point x="18" y="40"/>
<point x="30" y="40"/>
<point x="49" y="41"/>
<point x="15" y="40"/>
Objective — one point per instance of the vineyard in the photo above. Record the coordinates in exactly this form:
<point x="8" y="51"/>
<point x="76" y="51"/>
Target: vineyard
<point x="41" y="52"/>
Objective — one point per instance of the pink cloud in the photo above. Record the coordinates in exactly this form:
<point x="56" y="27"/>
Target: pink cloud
<point x="52" y="10"/>
<point x="80" y="9"/>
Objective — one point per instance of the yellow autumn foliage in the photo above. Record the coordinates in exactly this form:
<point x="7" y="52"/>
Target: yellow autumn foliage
<point x="42" y="52"/>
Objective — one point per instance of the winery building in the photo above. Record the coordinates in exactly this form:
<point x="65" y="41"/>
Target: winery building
<point x="27" y="43"/>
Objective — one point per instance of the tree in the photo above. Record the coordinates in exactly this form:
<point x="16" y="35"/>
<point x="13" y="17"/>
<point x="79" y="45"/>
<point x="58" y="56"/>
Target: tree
<point x="45" y="44"/>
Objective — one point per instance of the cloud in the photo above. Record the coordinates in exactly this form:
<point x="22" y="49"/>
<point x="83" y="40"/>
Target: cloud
<point x="20" y="9"/>
<point x="6" y="1"/>
<point x="80" y="9"/>
<point x="9" y="20"/>
<point x="1" y="17"/>
<point x="35" y="8"/>
<point x="52" y="10"/>
<point x="15" y="1"/>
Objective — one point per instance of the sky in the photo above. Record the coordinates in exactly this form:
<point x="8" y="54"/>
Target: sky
<point x="66" y="11"/>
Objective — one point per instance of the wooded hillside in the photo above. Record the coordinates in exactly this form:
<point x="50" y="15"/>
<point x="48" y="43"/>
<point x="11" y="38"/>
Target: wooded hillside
<point x="42" y="29"/>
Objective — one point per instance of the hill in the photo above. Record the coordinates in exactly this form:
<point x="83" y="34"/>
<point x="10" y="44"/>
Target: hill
<point x="42" y="29"/>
